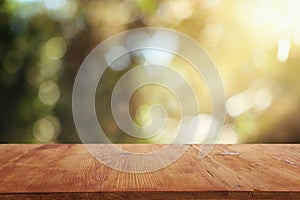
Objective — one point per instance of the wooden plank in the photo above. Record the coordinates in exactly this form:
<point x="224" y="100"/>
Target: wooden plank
<point x="68" y="171"/>
<point x="258" y="167"/>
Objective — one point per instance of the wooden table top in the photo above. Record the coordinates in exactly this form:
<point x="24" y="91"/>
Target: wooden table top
<point x="68" y="171"/>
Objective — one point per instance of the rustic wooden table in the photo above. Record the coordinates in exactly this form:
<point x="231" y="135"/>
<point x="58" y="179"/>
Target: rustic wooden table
<point x="68" y="171"/>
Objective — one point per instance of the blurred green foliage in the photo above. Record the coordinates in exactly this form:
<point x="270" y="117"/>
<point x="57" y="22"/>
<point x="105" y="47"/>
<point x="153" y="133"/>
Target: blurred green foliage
<point x="255" y="44"/>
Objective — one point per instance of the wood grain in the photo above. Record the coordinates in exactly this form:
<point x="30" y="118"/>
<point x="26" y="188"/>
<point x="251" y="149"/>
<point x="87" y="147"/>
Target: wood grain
<point x="68" y="171"/>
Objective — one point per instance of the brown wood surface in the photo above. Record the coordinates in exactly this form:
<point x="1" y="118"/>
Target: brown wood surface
<point x="68" y="171"/>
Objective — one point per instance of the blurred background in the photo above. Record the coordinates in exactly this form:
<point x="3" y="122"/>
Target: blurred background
<point x="255" y="45"/>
